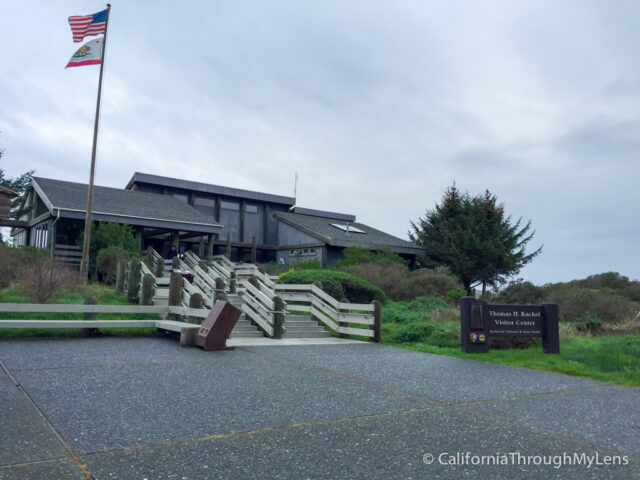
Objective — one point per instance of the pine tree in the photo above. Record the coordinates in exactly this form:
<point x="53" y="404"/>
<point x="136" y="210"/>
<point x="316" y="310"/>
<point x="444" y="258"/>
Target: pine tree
<point x="474" y="238"/>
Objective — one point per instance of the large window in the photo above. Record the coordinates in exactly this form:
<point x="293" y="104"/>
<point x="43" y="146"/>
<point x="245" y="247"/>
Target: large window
<point x="234" y="206"/>
<point x="182" y="197"/>
<point x="40" y="236"/>
<point x="205" y="205"/>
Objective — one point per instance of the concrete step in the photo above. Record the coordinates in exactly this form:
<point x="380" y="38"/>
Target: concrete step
<point x="289" y="334"/>
<point x="243" y="328"/>
<point x="306" y="328"/>
<point x="255" y="334"/>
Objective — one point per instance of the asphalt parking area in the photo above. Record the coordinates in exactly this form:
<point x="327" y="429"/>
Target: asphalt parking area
<point x="136" y="408"/>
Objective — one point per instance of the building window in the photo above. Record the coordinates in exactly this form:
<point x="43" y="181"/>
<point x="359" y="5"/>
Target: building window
<point x="204" y="201"/>
<point x="182" y="197"/>
<point x="251" y="208"/>
<point x="41" y="236"/>
<point x="230" y="206"/>
<point x="302" y="252"/>
<point x="205" y="205"/>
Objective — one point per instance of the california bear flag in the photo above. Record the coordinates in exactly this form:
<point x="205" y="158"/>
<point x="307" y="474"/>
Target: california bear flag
<point x="88" y="54"/>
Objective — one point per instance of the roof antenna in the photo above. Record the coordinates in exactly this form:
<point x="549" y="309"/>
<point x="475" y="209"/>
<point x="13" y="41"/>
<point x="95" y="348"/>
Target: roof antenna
<point x="295" y="187"/>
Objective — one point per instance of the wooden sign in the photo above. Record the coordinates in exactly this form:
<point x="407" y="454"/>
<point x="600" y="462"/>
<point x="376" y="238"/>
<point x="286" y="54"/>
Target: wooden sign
<point x="479" y="321"/>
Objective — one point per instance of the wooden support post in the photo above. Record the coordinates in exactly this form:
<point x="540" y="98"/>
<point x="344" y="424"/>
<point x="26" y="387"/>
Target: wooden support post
<point x="377" y="323"/>
<point x="188" y="337"/>
<point x="138" y="236"/>
<point x="254" y="250"/>
<point x="278" y="317"/>
<point x="233" y="283"/>
<point x="265" y="225"/>
<point x="52" y="238"/>
<point x="175" y="239"/>
<point x="550" y="332"/>
<point x="243" y="216"/>
<point x="343" y="324"/>
<point x="201" y="247"/>
<point x="227" y="252"/>
<point x="210" y="240"/>
<point x="175" y="293"/>
<point x="219" y="293"/>
<point x="196" y="301"/>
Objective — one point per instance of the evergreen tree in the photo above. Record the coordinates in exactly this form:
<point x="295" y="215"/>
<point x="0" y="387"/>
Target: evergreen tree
<point x="474" y="238"/>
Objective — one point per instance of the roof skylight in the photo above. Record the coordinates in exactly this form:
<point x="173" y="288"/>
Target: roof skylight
<point x="347" y="228"/>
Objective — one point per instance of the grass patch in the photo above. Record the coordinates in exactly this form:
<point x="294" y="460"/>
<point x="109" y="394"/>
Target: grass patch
<point x="432" y="326"/>
<point x="614" y="359"/>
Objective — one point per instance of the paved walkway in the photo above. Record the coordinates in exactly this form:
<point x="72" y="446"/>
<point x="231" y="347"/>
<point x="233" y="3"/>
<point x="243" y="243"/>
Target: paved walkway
<point x="144" y="408"/>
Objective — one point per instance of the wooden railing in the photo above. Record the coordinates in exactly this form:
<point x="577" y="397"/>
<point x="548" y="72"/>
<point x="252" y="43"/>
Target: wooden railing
<point x="259" y="292"/>
<point x="260" y="308"/>
<point x="247" y="270"/>
<point x="359" y="319"/>
<point x="68" y="254"/>
<point x="206" y="281"/>
<point x="187" y="330"/>
<point x="200" y="285"/>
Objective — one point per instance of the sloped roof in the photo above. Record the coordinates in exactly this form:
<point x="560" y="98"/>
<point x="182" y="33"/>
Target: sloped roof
<point x="122" y="206"/>
<point x="322" y="229"/>
<point x="139" y="177"/>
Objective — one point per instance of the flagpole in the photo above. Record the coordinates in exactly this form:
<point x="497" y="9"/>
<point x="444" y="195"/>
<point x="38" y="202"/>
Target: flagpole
<point x="84" y="264"/>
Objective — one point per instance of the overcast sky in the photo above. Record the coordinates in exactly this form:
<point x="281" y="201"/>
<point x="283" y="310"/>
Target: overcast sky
<point x="379" y="106"/>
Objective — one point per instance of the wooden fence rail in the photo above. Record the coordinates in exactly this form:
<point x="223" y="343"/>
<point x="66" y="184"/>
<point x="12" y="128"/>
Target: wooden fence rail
<point x="360" y="319"/>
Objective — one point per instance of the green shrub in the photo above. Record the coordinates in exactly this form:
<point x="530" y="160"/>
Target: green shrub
<point x="12" y="261"/>
<point x="520" y="292"/>
<point x="454" y="296"/>
<point x="415" y="331"/>
<point x="399" y="283"/>
<point x="415" y="310"/>
<point x="338" y="284"/>
<point x="575" y="303"/>
<point x="307" y="264"/>
<point x="358" y="255"/>
<point x="589" y="323"/>
<point x="107" y="262"/>
<point x="612" y="280"/>
<point x="43" y="279"/>
<point x="273" y="268"/>
<point x="426" y="330"/>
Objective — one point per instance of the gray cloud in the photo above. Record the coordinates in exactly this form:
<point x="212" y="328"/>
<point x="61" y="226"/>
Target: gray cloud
<point x="379" y="107"/>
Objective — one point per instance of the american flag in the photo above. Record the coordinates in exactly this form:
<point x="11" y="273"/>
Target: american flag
<point x="84" y="25"/>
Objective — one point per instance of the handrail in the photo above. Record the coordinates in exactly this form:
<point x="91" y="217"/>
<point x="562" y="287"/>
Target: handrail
<point x="78" y="308"/>
<point x="338" y="316"/>
<point x="188" y="289"/>
<point x="259" y="308"/>
<point x="157" y="256"/>
<point x="205" y="277"/>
